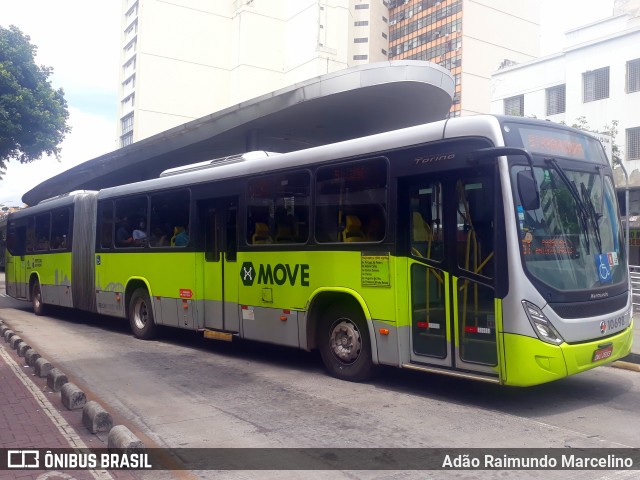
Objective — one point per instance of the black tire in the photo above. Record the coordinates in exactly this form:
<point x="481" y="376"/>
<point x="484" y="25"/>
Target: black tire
<point x="141" y="319"/>
<point x="36" y="299"/>
<point x="344" y="343"/>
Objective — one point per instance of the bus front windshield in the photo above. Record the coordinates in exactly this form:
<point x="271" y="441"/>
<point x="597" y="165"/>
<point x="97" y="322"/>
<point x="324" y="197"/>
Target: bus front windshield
<point x="574" y="239"/>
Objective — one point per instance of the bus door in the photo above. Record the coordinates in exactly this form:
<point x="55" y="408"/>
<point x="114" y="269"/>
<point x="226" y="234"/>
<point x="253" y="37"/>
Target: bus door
<point x="220" y="270"/>
<point x="451" y="241"/>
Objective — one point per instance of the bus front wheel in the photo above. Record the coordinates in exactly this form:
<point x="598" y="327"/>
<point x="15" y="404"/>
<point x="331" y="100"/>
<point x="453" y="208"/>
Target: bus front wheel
<point x="345" y="347"/>
<point x="36" y="299"/>
<point x="141" y="315"/>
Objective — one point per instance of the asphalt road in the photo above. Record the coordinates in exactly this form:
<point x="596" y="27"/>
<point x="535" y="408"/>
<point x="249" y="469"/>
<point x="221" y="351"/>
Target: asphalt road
<point x="184" y="391"/>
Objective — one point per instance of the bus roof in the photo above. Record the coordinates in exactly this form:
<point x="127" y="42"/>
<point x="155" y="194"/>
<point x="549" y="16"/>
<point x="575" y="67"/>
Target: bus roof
<point x="480" y="125"/>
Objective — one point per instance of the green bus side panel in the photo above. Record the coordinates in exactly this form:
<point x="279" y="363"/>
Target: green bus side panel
<point x="287" y="280"/>
<point x="53" y="271"/>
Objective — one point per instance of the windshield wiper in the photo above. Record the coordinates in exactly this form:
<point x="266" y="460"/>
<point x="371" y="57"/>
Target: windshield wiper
<point x="583" y="215"/>
<point x="594" y="217"/>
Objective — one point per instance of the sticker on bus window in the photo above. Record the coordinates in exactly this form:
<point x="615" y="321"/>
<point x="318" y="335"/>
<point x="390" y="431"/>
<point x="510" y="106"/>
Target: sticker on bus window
<point x="613" y="258"/>
<point x="603" y="267"/>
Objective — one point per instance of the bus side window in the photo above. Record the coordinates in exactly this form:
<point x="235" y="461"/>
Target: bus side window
<point x="351" y="201"/>
<point x="131" y="214"/>
<point x="169" y="219"/>
<point x="60" y="229"/>
<point x="106" y="224"/>
<point x="42" y="232"/>
<point x="31" y="235"/>
<point x="278" y="209"/>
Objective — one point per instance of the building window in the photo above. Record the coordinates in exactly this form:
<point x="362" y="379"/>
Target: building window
<point x="633" y="143"/>
<point x="126" y="139"/>
<point x="362" y="6"/>
<point x="360" y="40"/>
<point x="384" y="52"/>
<point x="556" y="100"/>
<point x="384" y="35"/>
<point x="385" y="19"/>
<point x="595" y="85"/>
<point x="127" y="124"/>
<point x="362" y="23"/>
<point x="633" y="76"/>
<point x="514" y="106"/>
<point x="360" y="57"/>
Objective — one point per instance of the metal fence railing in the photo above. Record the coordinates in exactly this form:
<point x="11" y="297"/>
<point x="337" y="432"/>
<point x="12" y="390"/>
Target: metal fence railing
<point x="634" y="272"/>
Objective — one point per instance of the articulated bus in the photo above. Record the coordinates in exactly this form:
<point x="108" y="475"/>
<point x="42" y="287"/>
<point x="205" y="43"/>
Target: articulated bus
<point x="481" y="247"/>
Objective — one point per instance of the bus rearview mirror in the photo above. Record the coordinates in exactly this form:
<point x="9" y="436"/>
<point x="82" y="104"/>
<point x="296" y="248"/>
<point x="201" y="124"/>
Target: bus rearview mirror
<point x="527" y="190"/>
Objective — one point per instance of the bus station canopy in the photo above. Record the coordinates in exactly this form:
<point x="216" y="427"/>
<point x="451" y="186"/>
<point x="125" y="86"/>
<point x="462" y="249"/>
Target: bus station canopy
<point x="346" y="104"/>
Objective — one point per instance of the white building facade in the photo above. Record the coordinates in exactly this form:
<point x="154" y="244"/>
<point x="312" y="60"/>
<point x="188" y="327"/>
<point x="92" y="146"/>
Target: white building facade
<point x="596" y="76"/>
<point x="183" y="59"/>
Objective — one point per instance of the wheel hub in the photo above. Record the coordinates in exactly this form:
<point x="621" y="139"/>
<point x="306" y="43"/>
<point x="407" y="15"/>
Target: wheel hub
<point x="346" y="342"/>
<point x="140" y="315"/>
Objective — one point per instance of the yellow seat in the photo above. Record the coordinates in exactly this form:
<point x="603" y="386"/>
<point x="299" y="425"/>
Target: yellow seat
<point x="261" y="235"/>
<point x="421" y="229"/>
<point x="353" y="230"/>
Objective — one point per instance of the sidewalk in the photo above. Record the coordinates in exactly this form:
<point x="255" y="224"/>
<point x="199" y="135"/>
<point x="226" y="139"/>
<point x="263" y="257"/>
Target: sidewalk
<point x="32" y="416"/>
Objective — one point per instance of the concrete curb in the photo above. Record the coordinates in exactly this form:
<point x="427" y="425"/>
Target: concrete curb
<point x="56" y="379"/>
<point x="94" y="417"/>
<point x="634" y="367"/>
<point x="22" y="348"/>
<point x="72" y="397"/>
<point x="121" y="438"/>
<point x="31" y="356"/>
<point x="8" y="334"/>
<point x="14" y="341"/>
<point x="42" y="367"/>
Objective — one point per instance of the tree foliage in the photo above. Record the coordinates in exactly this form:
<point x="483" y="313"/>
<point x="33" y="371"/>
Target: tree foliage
<point x="33" y="115"/>
<point x="610" y="129"/>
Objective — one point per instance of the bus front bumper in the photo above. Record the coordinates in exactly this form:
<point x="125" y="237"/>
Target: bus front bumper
<point x="530" y="361"/>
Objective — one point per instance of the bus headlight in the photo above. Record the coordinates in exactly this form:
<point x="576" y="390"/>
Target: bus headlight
<point x="541" y="324"/>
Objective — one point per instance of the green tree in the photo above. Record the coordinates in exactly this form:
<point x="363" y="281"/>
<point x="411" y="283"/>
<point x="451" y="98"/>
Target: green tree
<point x="33" y="115"/>
<point x="610" y="129"/>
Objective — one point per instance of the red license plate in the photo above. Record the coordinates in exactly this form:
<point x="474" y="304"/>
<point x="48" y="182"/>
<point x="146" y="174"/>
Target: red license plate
<point x="602" y="353"/>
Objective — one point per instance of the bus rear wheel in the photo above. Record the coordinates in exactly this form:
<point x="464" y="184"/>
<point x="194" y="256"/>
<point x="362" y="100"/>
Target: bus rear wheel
<point x="344" y="344"/>
<point x="36" y="299"/>
<point x="141" y="315"/>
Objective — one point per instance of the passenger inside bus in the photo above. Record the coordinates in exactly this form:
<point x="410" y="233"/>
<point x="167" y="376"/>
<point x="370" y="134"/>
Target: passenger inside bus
<point x="123" y="234"/>
<point x="180" y="237"/>
<point x="140" y="234"/>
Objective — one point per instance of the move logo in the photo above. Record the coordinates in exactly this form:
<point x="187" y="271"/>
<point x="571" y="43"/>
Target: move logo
<point x="275" y="274"/>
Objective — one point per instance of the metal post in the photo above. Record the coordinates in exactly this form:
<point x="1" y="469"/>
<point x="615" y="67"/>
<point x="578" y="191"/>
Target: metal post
<point x="626" y="209"/>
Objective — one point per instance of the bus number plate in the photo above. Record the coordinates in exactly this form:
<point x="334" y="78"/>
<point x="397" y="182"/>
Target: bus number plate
<point x="602" y="353"/>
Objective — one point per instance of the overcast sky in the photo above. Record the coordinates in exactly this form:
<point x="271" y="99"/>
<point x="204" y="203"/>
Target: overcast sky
<point x="80" y="40"/>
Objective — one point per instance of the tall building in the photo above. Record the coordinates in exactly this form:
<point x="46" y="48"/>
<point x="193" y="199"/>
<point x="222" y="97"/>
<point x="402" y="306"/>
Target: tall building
<point x="183" y="59"/>
<point x="471" y="38"/>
